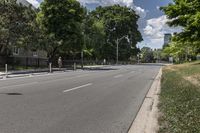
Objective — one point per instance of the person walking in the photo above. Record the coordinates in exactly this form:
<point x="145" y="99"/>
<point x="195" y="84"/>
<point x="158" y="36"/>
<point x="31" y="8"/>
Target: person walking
<point x="60" y="62"/>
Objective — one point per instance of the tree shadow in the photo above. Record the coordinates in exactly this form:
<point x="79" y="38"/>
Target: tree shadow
<point x="100" y="69"/>
<point x="12" y="94"/>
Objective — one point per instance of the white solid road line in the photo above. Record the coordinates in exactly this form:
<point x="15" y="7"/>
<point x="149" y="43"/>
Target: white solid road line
<point x="82" y="86"/>
<point x="118" y="76"/>
<point x="5" y="87"/>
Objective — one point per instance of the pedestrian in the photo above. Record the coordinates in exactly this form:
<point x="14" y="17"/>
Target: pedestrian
<point x="60" y="62"/>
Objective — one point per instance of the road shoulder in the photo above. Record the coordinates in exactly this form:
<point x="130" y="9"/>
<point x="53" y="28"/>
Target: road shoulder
<point x="146" y="120"/>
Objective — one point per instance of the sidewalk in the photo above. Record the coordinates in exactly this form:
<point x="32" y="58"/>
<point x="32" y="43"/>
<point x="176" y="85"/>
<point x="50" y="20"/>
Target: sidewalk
<point x="146" y="120"/>
<point x="32" y="72"/>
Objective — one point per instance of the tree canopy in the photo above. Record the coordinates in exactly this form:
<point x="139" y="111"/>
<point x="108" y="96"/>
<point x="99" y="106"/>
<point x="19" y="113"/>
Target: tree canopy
<point x="16" y="26"/>
<point x="64" y="27"/>
<point x="62" y="20"/>
<point x="114" y="22"/>
<point x="186" y="14"/>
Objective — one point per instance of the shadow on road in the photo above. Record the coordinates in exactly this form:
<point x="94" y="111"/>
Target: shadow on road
<point x="100" y="69"/>
<point x="12" y="94"/>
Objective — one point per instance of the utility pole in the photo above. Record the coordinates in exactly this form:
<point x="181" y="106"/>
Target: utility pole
<point x="82" y="53"/>
<point x="82" y="59"/>
<point x="117" y="49"/>
<point x="117" y="52"/>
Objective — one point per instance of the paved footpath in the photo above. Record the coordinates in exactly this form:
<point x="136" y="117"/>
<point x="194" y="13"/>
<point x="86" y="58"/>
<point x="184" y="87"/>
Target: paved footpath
<point x="92" y="101"/>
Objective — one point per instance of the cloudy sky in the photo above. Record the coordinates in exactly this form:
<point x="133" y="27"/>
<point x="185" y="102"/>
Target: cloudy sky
<point x="152" y="23"/>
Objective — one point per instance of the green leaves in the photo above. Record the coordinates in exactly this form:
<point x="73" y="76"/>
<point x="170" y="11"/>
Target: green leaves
<point x="62" y="20"/>
<point x="186" y="14"/>
<point x="112" y="23"/>
<point x="16" y="26"/>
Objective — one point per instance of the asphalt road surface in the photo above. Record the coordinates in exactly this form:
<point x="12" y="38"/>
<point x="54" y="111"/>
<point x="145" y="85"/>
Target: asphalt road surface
<point x="96" y="101"/>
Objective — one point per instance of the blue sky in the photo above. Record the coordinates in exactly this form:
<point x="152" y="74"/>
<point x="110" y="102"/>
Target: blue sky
<point x="152" y="23"/>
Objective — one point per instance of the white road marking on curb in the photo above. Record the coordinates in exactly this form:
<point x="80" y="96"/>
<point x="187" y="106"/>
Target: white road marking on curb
<point x="18" y="85"/>
<point x="118" y="76"/>
<point x="82" y="86"/>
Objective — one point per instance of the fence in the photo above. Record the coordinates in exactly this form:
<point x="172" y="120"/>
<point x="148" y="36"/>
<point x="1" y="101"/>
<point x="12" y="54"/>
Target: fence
<point x="40" y="64"/>
<point x="16" y="63"/>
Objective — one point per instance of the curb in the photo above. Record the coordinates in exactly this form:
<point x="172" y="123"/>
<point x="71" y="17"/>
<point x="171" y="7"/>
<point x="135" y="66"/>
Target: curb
<point x="17" y="76"/>
<point x="146" y="120"/>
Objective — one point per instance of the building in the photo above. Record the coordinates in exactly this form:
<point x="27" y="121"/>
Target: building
<point x="167" y="38"/>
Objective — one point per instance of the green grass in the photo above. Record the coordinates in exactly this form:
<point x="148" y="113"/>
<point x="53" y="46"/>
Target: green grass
<point x="180" y="99"/>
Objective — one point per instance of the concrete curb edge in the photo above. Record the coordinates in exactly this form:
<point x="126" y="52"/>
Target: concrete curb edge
<point x="146" y="120"/>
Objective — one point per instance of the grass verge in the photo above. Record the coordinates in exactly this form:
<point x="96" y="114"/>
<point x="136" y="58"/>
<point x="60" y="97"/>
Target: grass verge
<point x="180" y="99"/>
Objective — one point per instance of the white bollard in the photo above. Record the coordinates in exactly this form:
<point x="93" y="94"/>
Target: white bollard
<point x="74" y="66"/>
<point x="50" y="67"/>
<point x="6" y="70"/>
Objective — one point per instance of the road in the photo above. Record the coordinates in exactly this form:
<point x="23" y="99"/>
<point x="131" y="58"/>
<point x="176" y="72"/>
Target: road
<point x="97" y="101"/>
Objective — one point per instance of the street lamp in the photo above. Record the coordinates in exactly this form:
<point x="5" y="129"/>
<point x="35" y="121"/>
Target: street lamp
<point x="117" y="51"/>
<point x="82" y="51"/>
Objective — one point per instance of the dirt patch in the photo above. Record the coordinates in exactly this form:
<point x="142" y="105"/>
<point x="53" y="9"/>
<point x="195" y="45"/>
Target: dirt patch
<point x="193" y="79"/>
<point x="170" y="68"/>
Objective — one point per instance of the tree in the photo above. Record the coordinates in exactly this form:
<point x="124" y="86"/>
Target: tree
<point x="114" y="22"/>
<point x="180" y="51"/>
<point x="185" y="13"/>
<point x="61" y="21"/>
<point x="95" y="36"/>
<point x="147" y="55"/>
<point x="16" y="29"/>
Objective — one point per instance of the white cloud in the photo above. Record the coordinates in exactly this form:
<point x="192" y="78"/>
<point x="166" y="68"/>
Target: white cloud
<point x="128" y="3"/>
<point x="35" y="3"/>
<point x="155" y="30"/>
<point x="158" y="7"/>
<point x="142" y="12"/>
<point x="157" y="27"/>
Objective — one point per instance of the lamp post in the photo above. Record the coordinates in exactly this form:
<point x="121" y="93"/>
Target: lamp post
<point x="82" y="59"/>
<point x="117" y="50"/>
<point x="82" y="51"/>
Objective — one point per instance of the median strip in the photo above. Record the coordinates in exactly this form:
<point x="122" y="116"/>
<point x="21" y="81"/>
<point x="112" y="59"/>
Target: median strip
<point x="75" y="88"/>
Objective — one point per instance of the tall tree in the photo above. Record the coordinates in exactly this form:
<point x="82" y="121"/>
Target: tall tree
<point x="15" y="22"/>
<point x="117" y="22"/>
<point x="185" y="13"/>
<point x="61" y="20"/>
<point x="147" y="55"/>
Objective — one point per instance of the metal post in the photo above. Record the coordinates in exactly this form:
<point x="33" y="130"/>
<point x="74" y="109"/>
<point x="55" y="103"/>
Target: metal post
<point x="74" y="66"/>
<point x="6" y="69"/>
<point x="50" y="67"/>
<point x="82" y="59"/>
<point x="117" y="52"/>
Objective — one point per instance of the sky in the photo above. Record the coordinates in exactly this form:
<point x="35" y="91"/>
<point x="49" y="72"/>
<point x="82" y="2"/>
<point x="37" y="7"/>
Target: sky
<point x="152" y="22"/>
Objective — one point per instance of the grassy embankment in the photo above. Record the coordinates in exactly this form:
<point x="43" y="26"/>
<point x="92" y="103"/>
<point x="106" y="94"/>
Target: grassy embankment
<point x="180" y="99"/>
